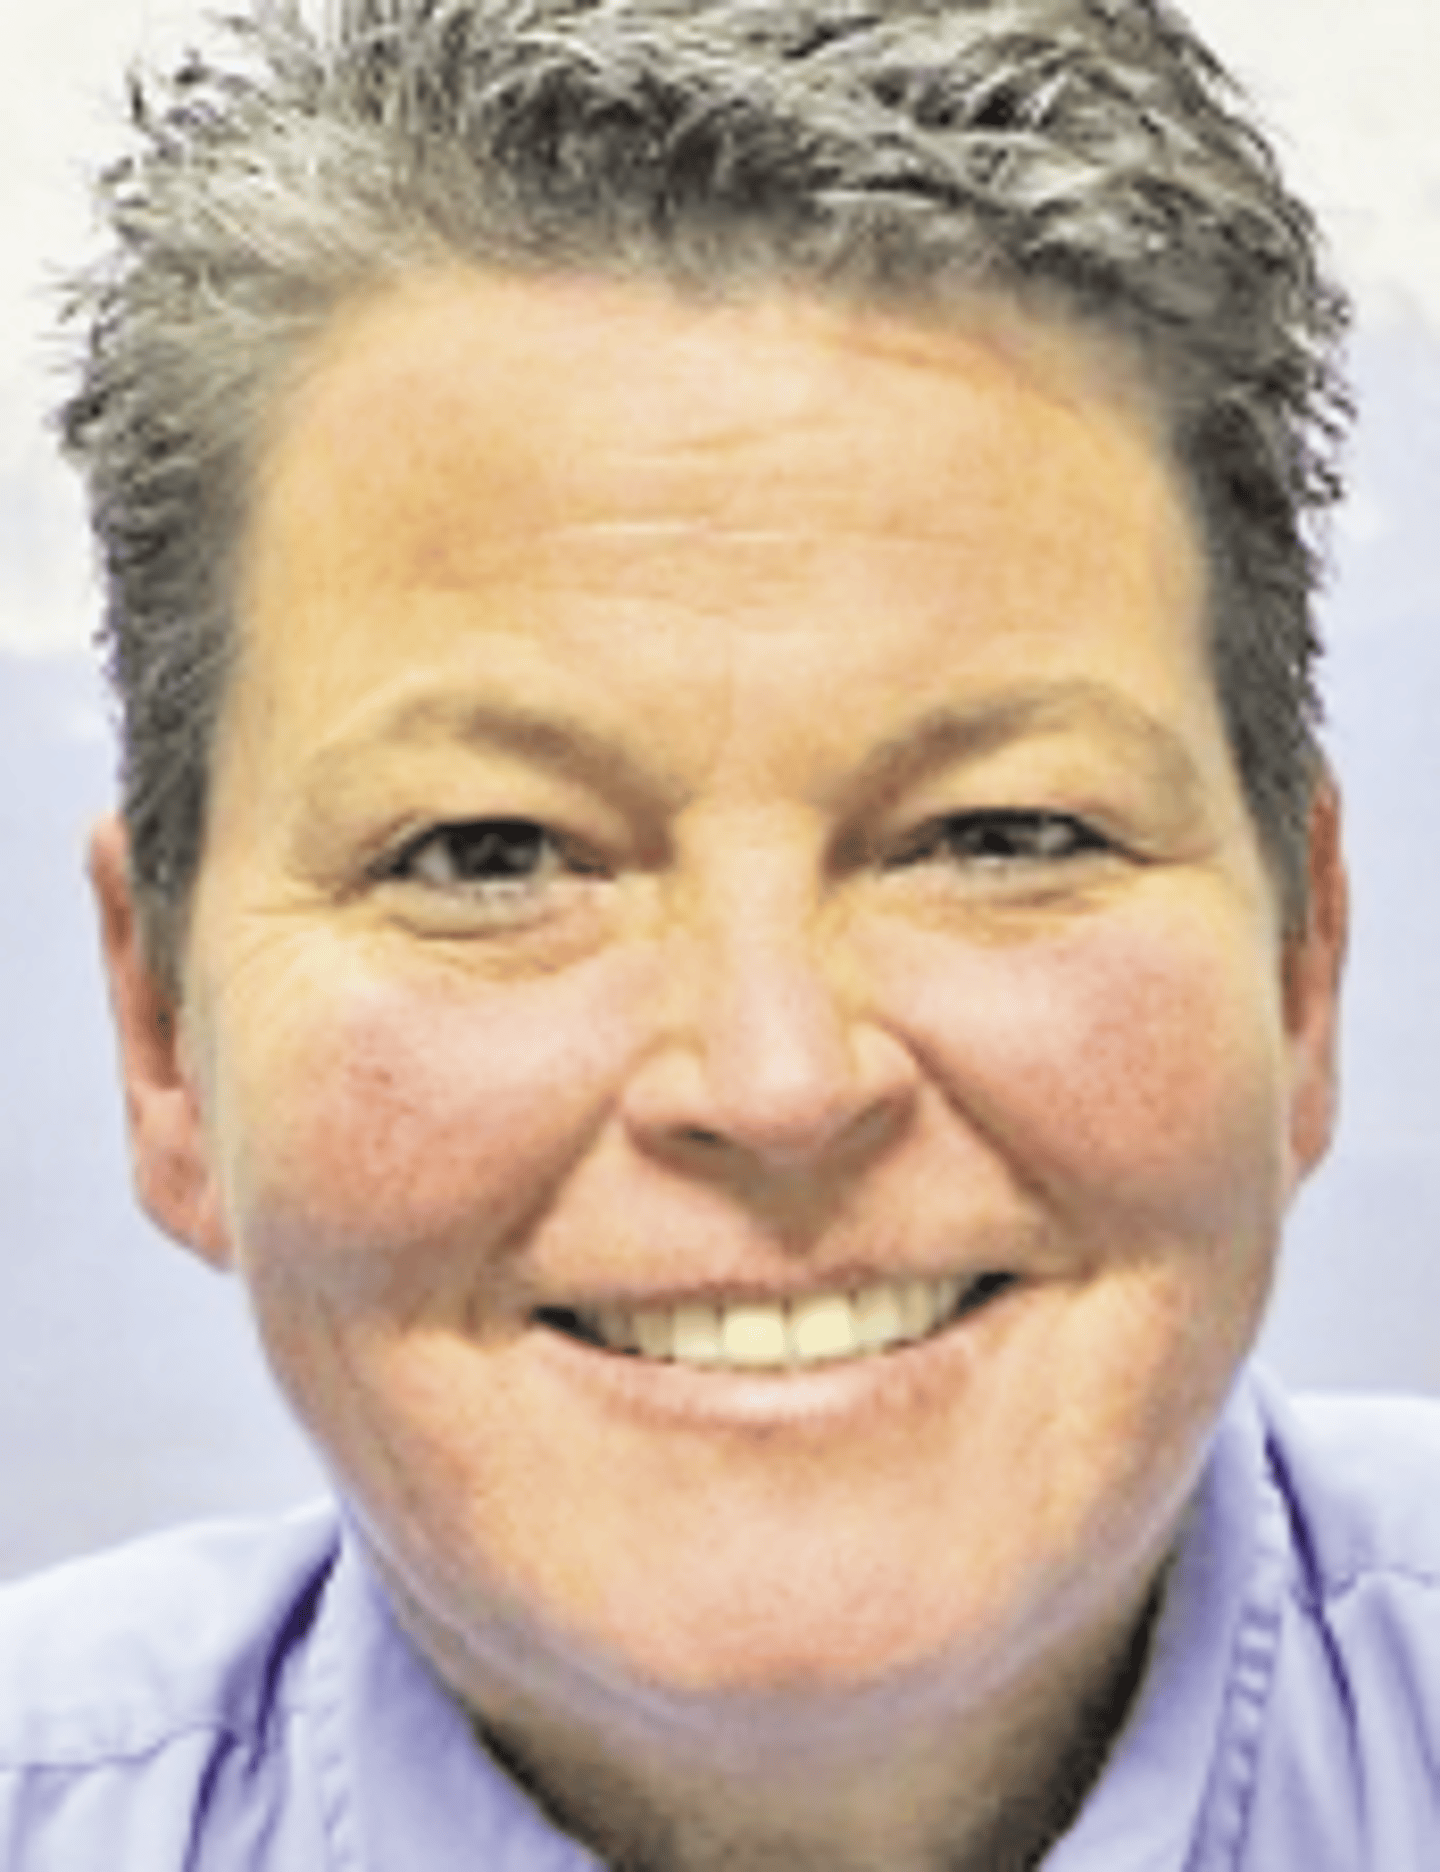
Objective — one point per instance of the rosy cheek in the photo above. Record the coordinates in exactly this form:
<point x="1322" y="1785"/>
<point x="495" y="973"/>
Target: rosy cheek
<point x="1137" y="1060"/>
<point x="405" y="1118"/>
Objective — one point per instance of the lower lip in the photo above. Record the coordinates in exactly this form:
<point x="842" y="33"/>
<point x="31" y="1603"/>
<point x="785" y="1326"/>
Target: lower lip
<point x="909" y="1378"/>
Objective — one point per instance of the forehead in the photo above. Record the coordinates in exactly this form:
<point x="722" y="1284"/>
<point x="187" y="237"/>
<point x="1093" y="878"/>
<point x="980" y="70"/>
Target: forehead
<point x="613" y="472"/>
<point x="463" y="421"/>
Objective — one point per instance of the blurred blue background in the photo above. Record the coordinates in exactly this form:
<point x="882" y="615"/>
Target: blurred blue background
<point x="130" y="1391"/>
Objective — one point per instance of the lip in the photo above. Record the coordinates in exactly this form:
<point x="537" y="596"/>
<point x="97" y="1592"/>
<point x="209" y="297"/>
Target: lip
<point x="913" y="1377"/>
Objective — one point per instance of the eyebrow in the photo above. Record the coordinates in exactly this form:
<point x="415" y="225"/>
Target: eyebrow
<point x="961" y="734"/>
<point x="555" y="738"/>
<point x="561" y="741"/>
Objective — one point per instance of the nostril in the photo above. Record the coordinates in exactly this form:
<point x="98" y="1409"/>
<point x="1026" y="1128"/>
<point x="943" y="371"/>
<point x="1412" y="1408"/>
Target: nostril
<point x="772" y="1102"/>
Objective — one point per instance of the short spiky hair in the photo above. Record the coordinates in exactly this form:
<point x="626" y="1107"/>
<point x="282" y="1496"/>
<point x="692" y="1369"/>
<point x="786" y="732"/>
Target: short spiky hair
<point x="1089" y="153"/>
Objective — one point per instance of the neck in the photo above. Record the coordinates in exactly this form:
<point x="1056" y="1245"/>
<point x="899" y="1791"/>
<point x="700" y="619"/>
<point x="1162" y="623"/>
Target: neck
<point x="982" y="1790"/>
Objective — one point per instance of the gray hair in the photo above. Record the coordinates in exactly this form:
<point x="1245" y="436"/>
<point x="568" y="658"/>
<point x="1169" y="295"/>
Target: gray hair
<point x="1091" y="154"/>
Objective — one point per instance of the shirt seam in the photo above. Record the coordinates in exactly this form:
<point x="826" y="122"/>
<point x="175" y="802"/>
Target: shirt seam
<point x="259" y="1740"/>
<point x="1315" y="1596"/>
<point x="333" y="1799"/>
<point x="1228" y="1805"/>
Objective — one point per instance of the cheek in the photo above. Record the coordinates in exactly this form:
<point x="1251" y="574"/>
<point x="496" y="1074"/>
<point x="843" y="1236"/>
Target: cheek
<point x="1141" y="1065"/>
<point x="372" y="1119"/>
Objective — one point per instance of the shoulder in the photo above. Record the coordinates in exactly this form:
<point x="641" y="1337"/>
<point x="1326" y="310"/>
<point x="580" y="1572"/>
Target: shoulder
<point x="1358" y="1487"/>
<point x="1329" y="1734"/>
<point x="1360" y="1479"/>
<point x="108" y="1658"/>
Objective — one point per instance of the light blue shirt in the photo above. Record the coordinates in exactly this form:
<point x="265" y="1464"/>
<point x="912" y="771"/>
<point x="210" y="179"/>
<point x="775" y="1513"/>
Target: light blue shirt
<point x="238" y="1699"/>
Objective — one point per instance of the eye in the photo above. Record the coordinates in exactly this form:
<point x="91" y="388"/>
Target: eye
<point x="1004" y="836"/>
<point x="496" y="867"/>
<point x="477" y="852"/>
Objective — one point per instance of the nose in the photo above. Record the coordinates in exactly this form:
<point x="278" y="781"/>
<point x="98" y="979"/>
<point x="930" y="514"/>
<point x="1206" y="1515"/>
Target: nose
<point x="770" y="1058"/>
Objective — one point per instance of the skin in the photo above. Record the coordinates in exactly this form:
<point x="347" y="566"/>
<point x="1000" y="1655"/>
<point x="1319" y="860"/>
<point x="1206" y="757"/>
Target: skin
<point x="765" y="611"/>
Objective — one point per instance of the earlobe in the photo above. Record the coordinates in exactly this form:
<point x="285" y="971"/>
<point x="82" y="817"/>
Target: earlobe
<point x="1314" y="964"/>
<point x="168" y="1152"/>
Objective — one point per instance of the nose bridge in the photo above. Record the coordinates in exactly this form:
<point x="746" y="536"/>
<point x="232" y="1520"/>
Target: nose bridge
<point x="767" y="1044"/>
<point x="771" y="1019"/>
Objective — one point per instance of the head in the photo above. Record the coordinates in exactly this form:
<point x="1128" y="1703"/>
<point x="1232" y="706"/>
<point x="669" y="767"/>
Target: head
<point x="1087" y="158"/>
<point x="730" y="915"/>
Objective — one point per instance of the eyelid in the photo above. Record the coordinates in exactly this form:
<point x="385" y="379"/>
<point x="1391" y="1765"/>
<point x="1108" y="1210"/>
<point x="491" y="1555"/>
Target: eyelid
<point x="1073" y="835"/>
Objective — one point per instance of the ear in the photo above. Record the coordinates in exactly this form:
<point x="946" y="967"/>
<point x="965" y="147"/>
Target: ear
<point x="1314" y="963"/>
<point x="168" y="1155"/>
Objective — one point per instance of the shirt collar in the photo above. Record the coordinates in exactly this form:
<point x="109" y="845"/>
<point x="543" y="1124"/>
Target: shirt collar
<point x="1183" y="1763"/>
<point x="404" y="1779"/>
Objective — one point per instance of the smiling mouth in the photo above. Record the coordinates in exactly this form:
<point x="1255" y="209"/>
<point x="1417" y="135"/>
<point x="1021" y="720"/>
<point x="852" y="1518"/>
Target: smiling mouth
<point x="781" y="1336"/>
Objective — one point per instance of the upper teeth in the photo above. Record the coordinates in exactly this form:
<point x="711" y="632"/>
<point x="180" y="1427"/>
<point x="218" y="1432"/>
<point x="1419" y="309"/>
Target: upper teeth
<point x="781" y="1335"/>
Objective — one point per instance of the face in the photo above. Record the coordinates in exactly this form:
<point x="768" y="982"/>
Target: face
<point x="735" y="1024"/>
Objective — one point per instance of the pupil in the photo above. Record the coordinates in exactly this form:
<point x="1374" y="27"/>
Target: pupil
<point x="507" y="848"/>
